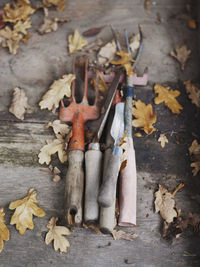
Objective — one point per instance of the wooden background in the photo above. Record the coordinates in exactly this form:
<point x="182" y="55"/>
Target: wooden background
<point x="45" y="59"/>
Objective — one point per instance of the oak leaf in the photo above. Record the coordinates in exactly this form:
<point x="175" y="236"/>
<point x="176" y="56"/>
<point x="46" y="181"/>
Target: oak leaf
<point x="194" y="151"/>
<point x="20" y="10"/>
<point x="193" y="91"/>
<point x="4" y="232"/>
<point x="57" y="91"/>
<point x="76" y="42"/>
<point x="145" y="117"/>
<point x="56" y="234"/>
<point x="52" y="147"/>
<point x="60" y="4"/>
<point x="168" y="97"/>
<point x="181" y="54"/>
<point x="19" y="103"/>
<point x="162" y="139"/>
<point x="117" y="235"/>
<point x="24" y="210"/>
<point x="107" y="53"/>
<point x="59" y="127"/>
<point x="11" y="39"/>
<point x="125" y="61"/>
<point x="165" y="203"/>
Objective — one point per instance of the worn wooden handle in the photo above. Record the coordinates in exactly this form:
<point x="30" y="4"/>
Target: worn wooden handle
<point x="93" y="164"/>
<point x="74" y="186"/>
<point x="108" y="188"/>
<point x="128" y="188"/>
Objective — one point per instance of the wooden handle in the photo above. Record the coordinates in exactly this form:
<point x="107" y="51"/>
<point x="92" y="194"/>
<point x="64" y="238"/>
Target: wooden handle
<point x="128" y="188"/>
<point x="108" y="188"/>
<point x="74" y="186"/>
<point x="93" y="164"/>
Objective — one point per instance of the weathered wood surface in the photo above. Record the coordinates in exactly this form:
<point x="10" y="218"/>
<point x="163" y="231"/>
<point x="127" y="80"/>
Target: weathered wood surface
<point x="44" y="59"/>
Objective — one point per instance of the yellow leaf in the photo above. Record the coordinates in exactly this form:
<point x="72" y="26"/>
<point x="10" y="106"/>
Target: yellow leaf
<point x="52" y="147"/>
<point x="60" y="4"/>
<point x="125" y="61"/>
<point x="194" y="150"/>
<point x="56" y="234"/>
<point x="19" y="103"/>
<point x="145" y="117"/>
<point x="4" y="232"/>
<point x="76" y="42"/>
<point x="59" y="127"/>
<point x="193" y="91"/>
<point x="107" y="53"/>
<point x="24" y="210"/>
<point x="165" y="204"/>
<point x="181" y="54"/>
<point x="162" y="139"/>
<point x="57" y="91"/>
<point x="16" y="11"/>
<point x="168" y="97"/>
<point x="102" y="85"/>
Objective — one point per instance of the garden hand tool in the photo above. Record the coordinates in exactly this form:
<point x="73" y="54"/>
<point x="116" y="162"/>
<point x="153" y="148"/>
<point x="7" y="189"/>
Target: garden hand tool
<point x="77" y="114"/>
<point x="93" y="158"/>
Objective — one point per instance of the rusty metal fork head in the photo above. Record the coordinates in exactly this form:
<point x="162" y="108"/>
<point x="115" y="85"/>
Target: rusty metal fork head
<point x="79" y="113"/>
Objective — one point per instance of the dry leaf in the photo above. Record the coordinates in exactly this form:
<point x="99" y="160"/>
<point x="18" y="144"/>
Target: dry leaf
<point x="60" y="4"/>
<point x="145" y="117"/>
<point x="125" y="61"/>
<point x="117" y="235"/>
<point x="102" y="85"/>
<point x="76" y="42"/>
<point x="20" y="10"/>
<point x="19" y="103"/>
<point x="194" y="150"/>
<point x="92" y="226"/>
<point x="107" y="53"/>
<point x="138" y="134"/>
<point x="57" y="91"/>
<point x="22" y="27"/>
<point x="94" y="46"/>
<point x="92" y="32"/>
<point x="193" y="91"/>
<point x="11" y="39"/>
<point x="147" y="3"/>
<point x="24" y="210"/>
<point x="4" y="232"/>
<point x="56" y="234"/>
<point x="168" y="97"/>
<point x="192" y="24"/>
<point x="59" y="127"/>
<point x="165" y="204"/>
<point x="52" y="147"/>
<point x="134" y="43"/>
<point x="162" y="139"/>
<point x="123" y="144"/>
<point x="181" y="54"/>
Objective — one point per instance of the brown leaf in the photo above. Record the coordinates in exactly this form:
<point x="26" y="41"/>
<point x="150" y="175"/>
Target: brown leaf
<point x="56" y="234"/>
<point x="24" y="210"/>
<point x="162" y="139"/>
<point x="168" y="97"/>
<point x="194" y="150"/>
<point x="92" y="32"/>
<point x="124" y="61"/>
<point x="102" y="85"/>
<point x="107" y="53"/>
<point x="193" y="91"/>
<point x="118" y="235"/>
<point x="145" y="117"/>
<point x="76" y="42"/>
<point x="19" y="103"/>
<point x="92" y="226"/>
<point x="181" y="54"/>
<point x="4" y="232"/>
<point x="165" y="204"/>
<point x="192" y="24"/>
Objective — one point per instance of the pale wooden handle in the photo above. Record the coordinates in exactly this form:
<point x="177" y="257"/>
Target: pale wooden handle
<point x="74" y="186"/>
<point x="128" y="188"/>
<point x="93" y="164"/>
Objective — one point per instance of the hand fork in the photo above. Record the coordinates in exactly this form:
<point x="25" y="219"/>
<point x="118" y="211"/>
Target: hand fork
<point x="77" y="114"/>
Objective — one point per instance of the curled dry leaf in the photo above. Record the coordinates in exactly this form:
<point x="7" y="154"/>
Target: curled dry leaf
<point x="4" y="232"/>
<point x="19" y="103"/>
<point x="60" y="4"/>
<point x="19" y="10"/>
<point x="193" y="91"/>
<point x="162" y="139"/>
<point x="181" y="54"/>
<point x="59" y="127"/>
<point x="24" y="210"/>
<point x="166" y="95"/>
<point x="92" y="32"/>
<point x="145" y="117"/>
<point x="165" y="204"/>
<point x="117" y="235"/>
<point x="124" y="61"/>
<point x="52" y="147"/>
<point x="107" y="53"/>
<point x="57" y="91"/>
<point x="76" y="42"/>
<point x="56" y="234"/>
<point x="194" y="150"/>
